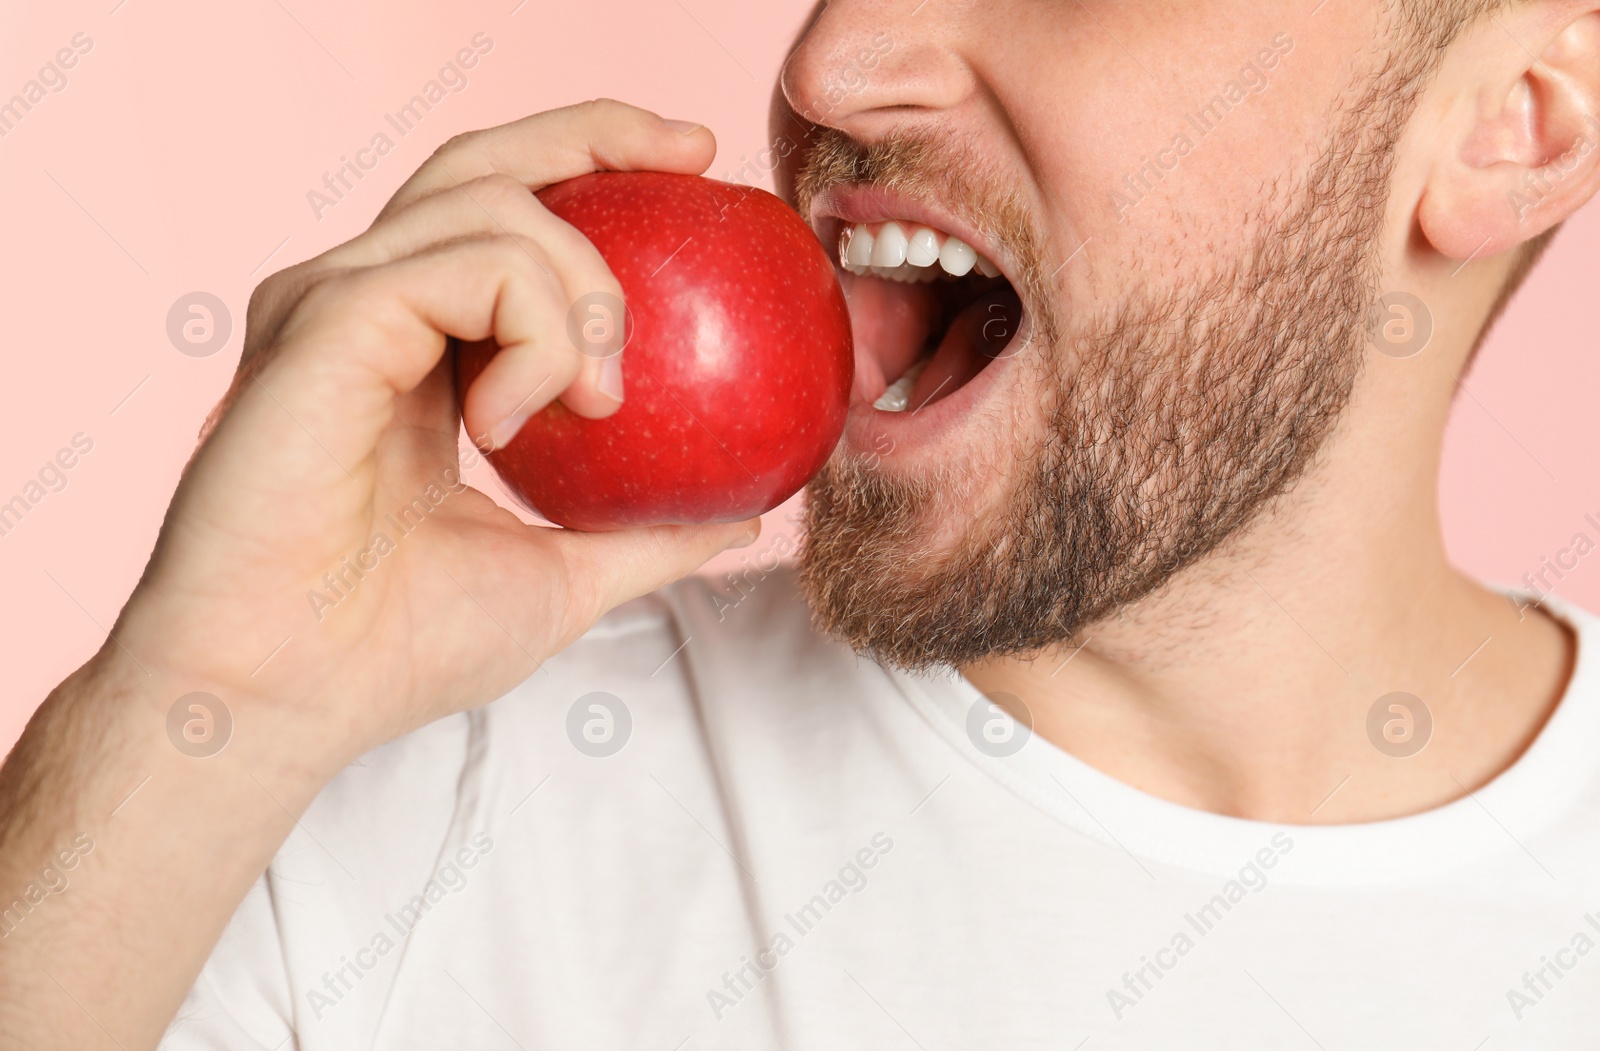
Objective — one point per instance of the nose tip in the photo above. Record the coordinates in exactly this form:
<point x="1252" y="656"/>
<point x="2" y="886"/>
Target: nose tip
<point x="826" y="83"/>
<point x="850" y="73"/>
<point x="786" y="81"/>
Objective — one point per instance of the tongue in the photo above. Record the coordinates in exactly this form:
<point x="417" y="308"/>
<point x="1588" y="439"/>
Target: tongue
<point x="978" y="335"/>
<point x="890" y="321"/>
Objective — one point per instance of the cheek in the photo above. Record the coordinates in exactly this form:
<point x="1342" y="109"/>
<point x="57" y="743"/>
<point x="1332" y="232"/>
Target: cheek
<point x="1188" y="151"/>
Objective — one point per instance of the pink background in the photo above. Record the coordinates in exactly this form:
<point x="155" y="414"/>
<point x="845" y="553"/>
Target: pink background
<point x="178" y="158"/>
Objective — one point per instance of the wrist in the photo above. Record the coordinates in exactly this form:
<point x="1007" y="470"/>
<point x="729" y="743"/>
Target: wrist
<point x="196" y="727"/>
<point x="230" y="682"/>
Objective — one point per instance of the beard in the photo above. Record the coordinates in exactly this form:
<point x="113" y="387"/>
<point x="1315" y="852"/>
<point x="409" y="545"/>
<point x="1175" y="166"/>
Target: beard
<point x="1161" y="425"/>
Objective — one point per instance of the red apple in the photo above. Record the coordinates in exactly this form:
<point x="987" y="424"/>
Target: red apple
<point x="737" y="368"/>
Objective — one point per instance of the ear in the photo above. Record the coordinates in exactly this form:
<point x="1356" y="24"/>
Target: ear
<point x="1523" y="141"/>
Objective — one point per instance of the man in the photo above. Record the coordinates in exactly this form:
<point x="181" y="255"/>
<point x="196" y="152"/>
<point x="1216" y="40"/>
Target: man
<point x="1123" y="696"/>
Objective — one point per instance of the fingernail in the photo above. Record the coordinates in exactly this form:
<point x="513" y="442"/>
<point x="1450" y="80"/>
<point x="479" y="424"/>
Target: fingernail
<point x="683" y="127"/>
<point x="611" y="377"/>
<point x="748" y="538"/>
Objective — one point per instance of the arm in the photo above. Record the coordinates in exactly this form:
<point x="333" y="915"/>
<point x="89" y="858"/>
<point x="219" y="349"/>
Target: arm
<point x="343" y="411"/>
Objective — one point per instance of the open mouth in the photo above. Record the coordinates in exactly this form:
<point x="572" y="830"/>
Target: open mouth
<point x="929" y="310"/>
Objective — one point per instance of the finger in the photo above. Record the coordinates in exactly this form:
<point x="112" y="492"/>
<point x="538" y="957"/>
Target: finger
<point x="484" y="206"/>
<point x="535" y="151"/>
<point x="602" y="135"/>
<point x="427" y="424"/>
<point x="605" y="570"/>
<point x="499" y="205"/>
<point x="359" y="340"/>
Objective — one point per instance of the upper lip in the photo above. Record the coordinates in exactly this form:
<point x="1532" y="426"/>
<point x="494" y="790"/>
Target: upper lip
<point x="871" y="204"/>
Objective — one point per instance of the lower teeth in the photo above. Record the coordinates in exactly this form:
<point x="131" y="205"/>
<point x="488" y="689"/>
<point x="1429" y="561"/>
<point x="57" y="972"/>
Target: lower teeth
<point x="896" y="398"/>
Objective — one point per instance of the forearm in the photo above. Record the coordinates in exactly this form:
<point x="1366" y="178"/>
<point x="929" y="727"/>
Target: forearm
<point x="122" y="858"/>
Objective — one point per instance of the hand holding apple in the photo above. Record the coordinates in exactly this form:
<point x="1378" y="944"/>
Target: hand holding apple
<point x="342" y="412"/>
<point x="735" y="347"/>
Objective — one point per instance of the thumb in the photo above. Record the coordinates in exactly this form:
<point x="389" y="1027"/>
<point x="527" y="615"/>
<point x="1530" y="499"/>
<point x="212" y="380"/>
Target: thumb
<point x="607" y="569"/>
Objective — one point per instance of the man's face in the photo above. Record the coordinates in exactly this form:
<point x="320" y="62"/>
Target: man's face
<point x="1186" y="204"/>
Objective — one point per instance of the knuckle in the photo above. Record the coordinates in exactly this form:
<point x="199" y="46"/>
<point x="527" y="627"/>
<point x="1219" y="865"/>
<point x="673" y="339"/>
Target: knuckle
<point x="355" y="312"/>
<point x="278" y="284"/>
<point x="280" y="305"/>
<point x="597" y="278"/>
<point x="456" y="144"/>
<point x="452" y="150"/>
<point x="519" y="254"/>
<point x="332" y="295"/>
<point x="499" y="194"/>
<point x="275" y="296"/>
<point x="265" y="299"/>
<point x="603" y="108"/>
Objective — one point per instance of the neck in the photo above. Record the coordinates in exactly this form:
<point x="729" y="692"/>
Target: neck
<point x="1245" y="685"/>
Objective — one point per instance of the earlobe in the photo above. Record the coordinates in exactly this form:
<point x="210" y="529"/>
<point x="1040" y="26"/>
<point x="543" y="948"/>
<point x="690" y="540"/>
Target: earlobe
<point x="1531" y="156"/>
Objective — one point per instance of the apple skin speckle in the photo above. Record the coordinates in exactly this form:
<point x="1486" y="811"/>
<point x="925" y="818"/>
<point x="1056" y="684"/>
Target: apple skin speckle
<point x="737" y="374"/>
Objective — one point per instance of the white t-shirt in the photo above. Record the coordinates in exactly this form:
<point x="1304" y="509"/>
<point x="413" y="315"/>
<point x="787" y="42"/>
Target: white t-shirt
<point x="796" y="848"/>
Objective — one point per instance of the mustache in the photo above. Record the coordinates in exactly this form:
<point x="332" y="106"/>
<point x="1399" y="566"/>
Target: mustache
<point x="947" y="169"/>
<point x="902" y="162"/>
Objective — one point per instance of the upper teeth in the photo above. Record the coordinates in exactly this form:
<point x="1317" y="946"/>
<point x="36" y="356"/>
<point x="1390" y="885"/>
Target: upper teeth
<point x="905" y="252"/>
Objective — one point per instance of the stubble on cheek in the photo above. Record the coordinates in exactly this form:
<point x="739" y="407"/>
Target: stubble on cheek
<point x="1168" y="419"/>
